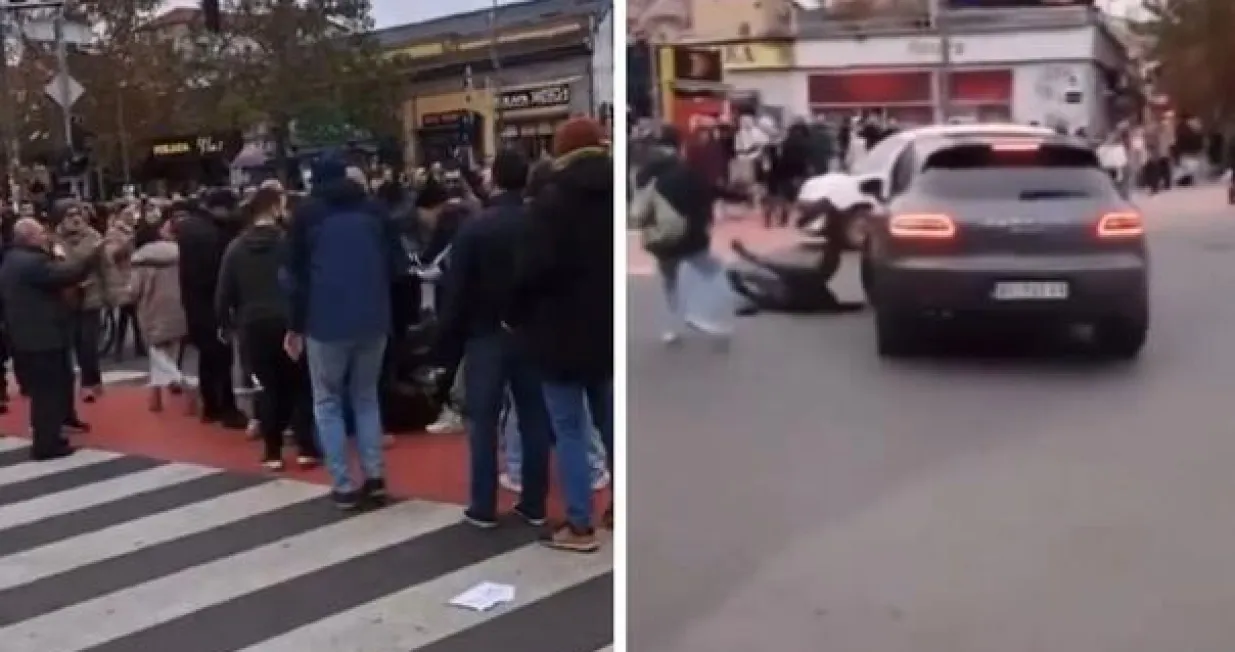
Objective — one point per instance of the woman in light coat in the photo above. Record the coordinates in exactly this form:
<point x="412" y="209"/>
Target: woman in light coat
<point x="155" y="290"/>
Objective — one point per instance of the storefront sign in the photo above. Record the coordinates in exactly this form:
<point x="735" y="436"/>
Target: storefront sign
<point x="697" y="64"/>
<point x="187" y="146"/>
<point x="444" y="119"/>
<point x="932" y="47"/>
<point x="757" y="56"/>
<point x="552" y="96"/>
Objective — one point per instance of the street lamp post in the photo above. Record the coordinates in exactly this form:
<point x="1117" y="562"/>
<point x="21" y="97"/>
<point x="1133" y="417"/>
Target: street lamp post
<point x="123" y="131"/>
<point x="8" y="112"/>
<point x="943" y="74"/>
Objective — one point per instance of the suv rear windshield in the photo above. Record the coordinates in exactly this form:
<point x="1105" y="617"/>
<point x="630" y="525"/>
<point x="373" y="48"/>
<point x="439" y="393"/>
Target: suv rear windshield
<point x="980" y="172"/>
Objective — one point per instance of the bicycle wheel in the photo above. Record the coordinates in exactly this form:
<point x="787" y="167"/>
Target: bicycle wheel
<point x="109" y="331"/>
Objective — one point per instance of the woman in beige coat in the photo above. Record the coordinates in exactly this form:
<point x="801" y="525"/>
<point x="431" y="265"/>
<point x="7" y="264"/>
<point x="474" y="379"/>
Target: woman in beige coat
<point x="155" y="289"/>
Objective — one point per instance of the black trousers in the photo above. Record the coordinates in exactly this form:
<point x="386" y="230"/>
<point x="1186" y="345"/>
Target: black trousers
<point x="126" y="320"/>
<point x="47" y="377"/>
<point x="86" y="346"/>
<point x="4" y="366"/>
<point x="287" y="396"/>
<point x="214" y="372"/>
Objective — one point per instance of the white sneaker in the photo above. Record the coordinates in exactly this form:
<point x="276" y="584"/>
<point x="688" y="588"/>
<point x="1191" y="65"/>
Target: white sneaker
<point x="601" y="480"/>
<point x="719" y="336"/>
<point x="447" y="421"/>
<point x="670" y="338"/>
<point x="509" y="484"/>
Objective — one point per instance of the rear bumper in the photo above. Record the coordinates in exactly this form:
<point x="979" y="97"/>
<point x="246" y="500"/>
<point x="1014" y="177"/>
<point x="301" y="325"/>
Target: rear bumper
<point x="1099" y="285"/>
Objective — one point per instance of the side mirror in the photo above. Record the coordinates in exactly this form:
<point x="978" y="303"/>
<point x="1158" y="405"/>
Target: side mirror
<point x="871" y="187"/>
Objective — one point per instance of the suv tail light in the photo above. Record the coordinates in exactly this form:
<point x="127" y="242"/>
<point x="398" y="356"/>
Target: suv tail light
<point x="922" y="227"/>
<point x="1121" y="225"/>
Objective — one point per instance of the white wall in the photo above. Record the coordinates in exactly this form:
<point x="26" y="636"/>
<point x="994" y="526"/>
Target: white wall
<point x="1074" y="43"/>
<point x="1038" y="95"/>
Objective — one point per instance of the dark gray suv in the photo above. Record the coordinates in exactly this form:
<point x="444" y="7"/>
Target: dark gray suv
<point x="1029" y="228"/>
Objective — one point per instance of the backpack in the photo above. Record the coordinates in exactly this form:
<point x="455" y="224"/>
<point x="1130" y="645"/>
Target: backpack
<point x="659" y="222"/>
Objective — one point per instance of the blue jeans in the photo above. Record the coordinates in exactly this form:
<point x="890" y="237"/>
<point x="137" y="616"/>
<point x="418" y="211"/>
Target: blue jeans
<point x="697" y="293"/>
<point x="346" y="374"/>
<point x="512" y="449"/>
<point x="494" y="364"/>
<point x="570" y="405"/>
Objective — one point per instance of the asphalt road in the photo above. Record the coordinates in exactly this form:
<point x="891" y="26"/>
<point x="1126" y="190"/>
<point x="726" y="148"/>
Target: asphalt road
<point x="799" y="494"/>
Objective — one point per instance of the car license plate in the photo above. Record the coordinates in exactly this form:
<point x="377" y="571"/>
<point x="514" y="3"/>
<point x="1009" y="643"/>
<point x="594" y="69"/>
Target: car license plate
<point x="1031" y="291"/>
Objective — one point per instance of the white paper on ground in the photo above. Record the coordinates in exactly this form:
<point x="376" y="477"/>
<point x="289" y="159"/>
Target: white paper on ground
<point x="484" y="596"/>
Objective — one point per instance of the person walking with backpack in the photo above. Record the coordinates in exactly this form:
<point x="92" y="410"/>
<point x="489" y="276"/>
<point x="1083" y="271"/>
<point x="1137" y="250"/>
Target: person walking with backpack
<point x="673" y="208"/>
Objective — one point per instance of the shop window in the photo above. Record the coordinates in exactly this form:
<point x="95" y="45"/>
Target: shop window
<point x="533" y="139"/>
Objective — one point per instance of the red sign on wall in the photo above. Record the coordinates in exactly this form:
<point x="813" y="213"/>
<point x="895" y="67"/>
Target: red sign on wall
<point x="870" y="88"/>
<point x="981" y="86"/>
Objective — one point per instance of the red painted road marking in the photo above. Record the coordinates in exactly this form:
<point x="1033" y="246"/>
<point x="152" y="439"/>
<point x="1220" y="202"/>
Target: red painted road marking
<point x="430" y="467"/>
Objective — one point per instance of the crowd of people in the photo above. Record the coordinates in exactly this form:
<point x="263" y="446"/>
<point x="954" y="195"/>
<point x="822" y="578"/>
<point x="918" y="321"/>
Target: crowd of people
<point x="496" y="284"/>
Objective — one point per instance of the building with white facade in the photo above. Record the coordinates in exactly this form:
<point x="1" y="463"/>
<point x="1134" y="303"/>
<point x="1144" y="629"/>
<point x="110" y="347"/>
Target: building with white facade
<point x="1050" y="65"/>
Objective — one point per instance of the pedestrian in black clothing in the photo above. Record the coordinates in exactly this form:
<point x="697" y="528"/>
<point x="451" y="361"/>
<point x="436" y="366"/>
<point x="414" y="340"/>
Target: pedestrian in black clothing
<point x="203" y="234"/>
<point x="479" y="285"/>
<point x="33" y="284"/>
<point x="251" y="300"/>
<point x="561" y="312"/>
<point x="7" y="219"/>
<point x="428" y="239"/>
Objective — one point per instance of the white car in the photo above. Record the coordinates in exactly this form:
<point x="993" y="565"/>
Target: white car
<point x="845" y="190"/>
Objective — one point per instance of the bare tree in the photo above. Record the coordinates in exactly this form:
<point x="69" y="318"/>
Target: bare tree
<point x="1191" y="42"/>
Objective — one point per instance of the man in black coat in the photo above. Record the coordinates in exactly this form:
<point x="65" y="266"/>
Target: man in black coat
<point x="475" y="289"/>
<point x="203" y="234"/>
<point x="561" y="312"/>
<point x="32" y="287"/>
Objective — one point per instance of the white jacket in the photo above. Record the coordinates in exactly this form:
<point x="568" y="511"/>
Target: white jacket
<point x="1113" y="155"/>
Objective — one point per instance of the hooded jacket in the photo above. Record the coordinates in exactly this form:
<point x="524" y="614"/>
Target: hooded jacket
<point x="343" y="252"/>
<point x="203" y="239"/>
<point x="561" y="304"/>
<point x="249" y="291"/>
<point x="155" y="289"/>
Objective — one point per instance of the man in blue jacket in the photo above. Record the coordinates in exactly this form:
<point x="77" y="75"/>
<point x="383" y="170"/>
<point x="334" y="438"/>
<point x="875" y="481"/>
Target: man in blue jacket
<point x="342" y="253"/>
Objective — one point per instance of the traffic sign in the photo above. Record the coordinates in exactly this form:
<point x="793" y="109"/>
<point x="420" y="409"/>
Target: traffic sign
<point x="57" y="87"/>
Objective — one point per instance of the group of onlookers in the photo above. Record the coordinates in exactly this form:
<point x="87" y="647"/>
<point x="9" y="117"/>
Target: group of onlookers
<point x="508" y="272"/>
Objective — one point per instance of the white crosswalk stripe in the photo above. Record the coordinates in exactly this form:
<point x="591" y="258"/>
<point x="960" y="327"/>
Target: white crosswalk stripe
<point x="98" y="493"/>
<point x="32" y="470"/>
<point x="127" y="537"/>
<point x="417" y="616"/>
<point x="11" y="444"/>
<point x="109" y="553"/>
